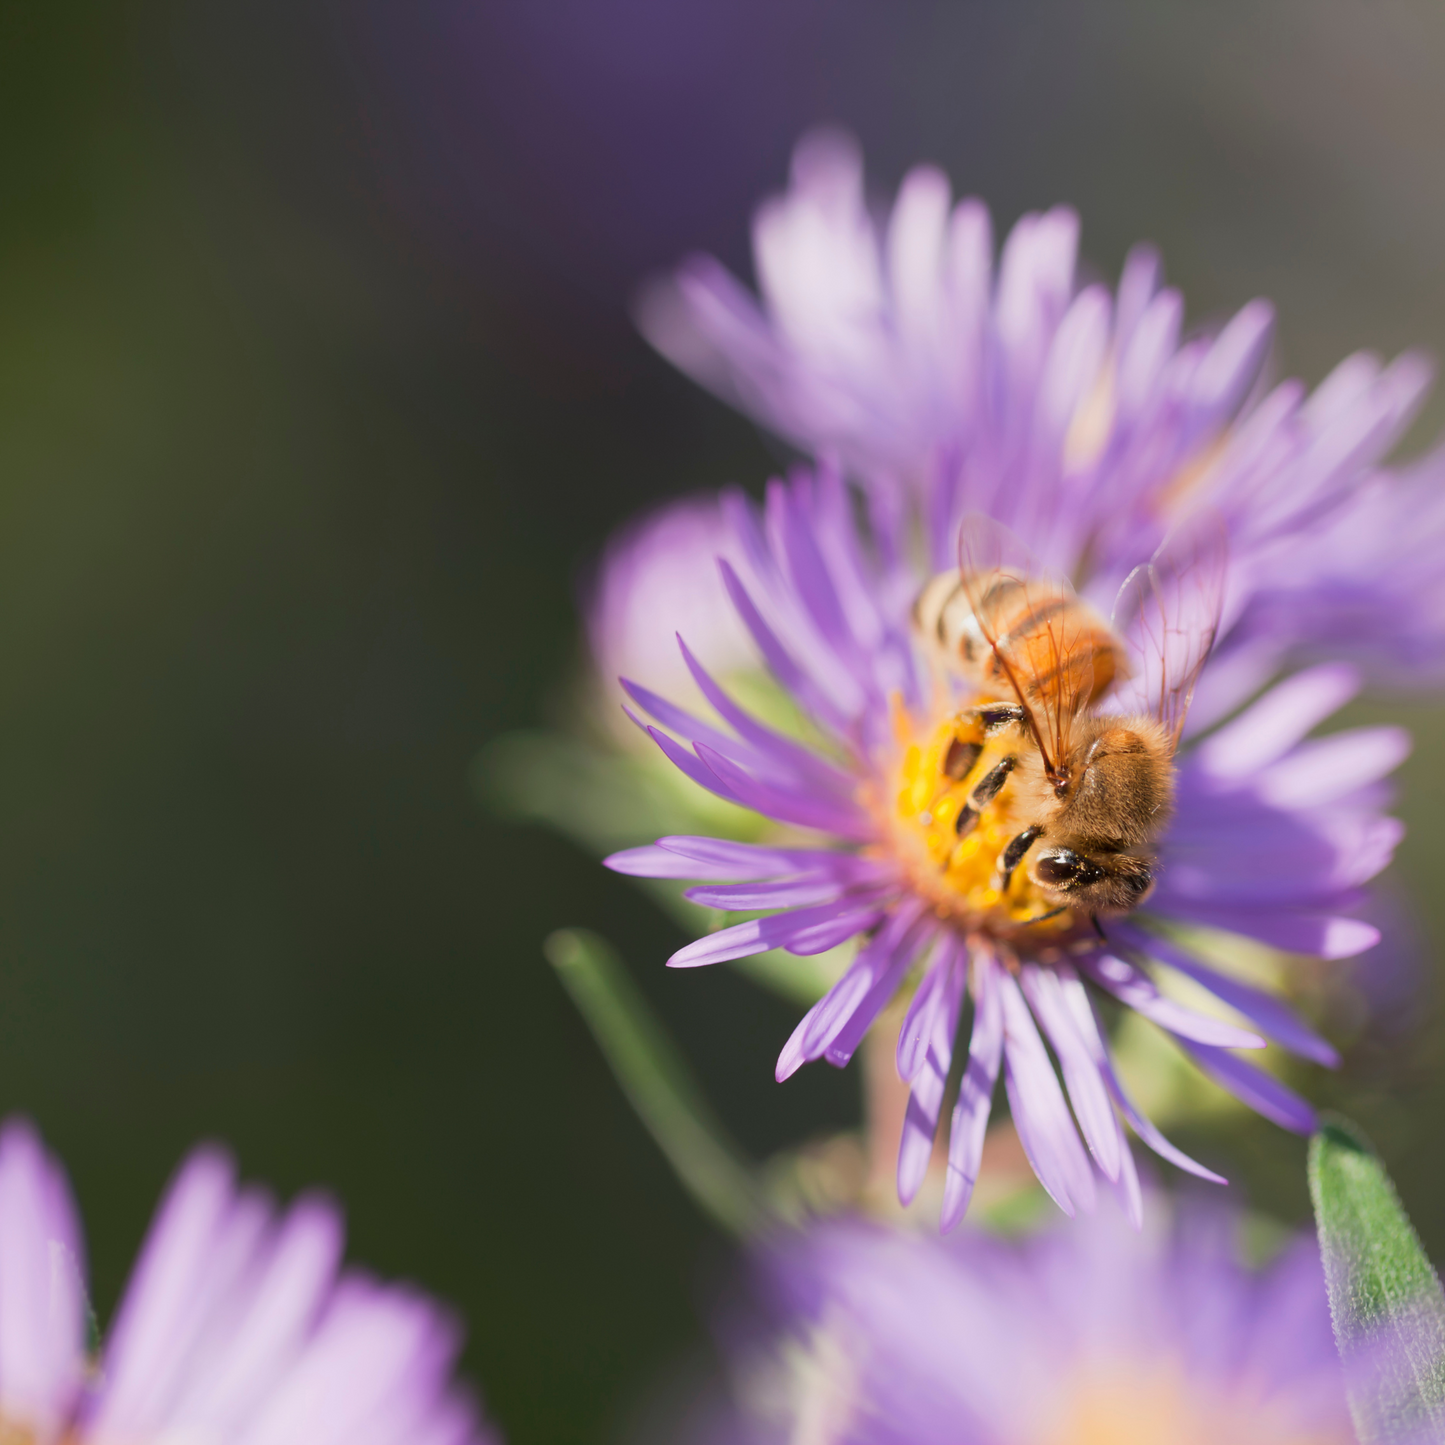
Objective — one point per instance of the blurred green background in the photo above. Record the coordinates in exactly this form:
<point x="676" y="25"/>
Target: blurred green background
<point x="317" y="389"/>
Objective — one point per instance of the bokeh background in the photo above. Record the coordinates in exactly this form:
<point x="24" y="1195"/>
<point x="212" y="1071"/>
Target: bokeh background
<point x="318" y="389"/>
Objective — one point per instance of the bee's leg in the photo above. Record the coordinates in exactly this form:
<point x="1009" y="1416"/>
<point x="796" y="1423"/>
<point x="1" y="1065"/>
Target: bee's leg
<point x="1044" y="917"/>
<point x="991" y="784"/>
<point x="958" y="764"/>
<point x="1012" y="856"/>
<point x="983" y="794"/>
<point x="1098" y="927"/>
<point x="994" y="717"/>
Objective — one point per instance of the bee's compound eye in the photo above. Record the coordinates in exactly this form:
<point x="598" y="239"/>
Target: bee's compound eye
<point x="1063" y="868"/>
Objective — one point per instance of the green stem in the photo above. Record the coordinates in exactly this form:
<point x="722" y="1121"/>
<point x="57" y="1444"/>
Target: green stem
<point x="656" y="1081"/>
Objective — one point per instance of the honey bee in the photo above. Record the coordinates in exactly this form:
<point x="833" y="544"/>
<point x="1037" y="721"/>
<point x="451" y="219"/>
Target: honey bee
<point x="1096" y="789"/>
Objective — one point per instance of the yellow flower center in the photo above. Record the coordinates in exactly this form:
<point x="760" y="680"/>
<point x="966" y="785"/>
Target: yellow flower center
<point x="951" y="850"/>
<point x="1140" y="1405"/>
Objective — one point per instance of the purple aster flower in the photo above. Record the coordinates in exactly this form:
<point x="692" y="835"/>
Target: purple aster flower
<point x="910" y="834"/>
<point x="238" y="1324"/>
<point x="1366" y="584"/>
<point x="1093" y="1333"/>
<point x="943" y="383"/>
<point x="658" y="576"/>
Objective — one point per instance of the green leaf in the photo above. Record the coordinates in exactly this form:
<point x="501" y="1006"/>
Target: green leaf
<point x="656" y="1081"/>
<point x="1385" y="1299"/>
<point x="604" y="801"/>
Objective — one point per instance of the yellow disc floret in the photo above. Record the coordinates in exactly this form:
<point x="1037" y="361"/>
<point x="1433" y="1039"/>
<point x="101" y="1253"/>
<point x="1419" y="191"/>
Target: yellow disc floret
<point x="951" y="851"/>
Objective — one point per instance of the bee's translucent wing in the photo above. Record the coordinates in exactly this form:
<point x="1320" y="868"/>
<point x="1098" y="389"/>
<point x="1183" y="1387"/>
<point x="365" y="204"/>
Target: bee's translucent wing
<point x="1168" y="613"/>
<point x="986" y="546"/>
<point x="1039" y="639"/>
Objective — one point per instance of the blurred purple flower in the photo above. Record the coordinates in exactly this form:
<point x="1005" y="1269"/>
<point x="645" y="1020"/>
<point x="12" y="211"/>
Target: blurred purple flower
<point x="893" y="345"/>
<point x="658" y="577"/>
<point x="1272" y="837"/>
<point x="1089" y="1334"/>
<point x="237" y="1324"/>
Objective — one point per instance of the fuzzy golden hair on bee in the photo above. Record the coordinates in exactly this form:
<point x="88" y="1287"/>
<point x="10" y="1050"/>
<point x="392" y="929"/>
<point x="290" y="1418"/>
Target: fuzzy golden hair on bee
<point x="1095" y="791"/>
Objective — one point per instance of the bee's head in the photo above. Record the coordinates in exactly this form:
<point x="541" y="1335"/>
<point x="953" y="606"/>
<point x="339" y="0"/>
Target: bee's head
<point x="1120" y="785"/>
<point x="1093" y="882"/>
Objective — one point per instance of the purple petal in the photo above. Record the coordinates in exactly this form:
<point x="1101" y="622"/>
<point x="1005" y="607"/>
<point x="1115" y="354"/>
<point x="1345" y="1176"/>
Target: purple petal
<point x="1272" y="1015"/>
<point x="783" y="750"/>
<point x="916" y="1033"/>
<point x="1081" y="1010"/>
<point x="925" y="1099"/>
<point x="1145" y="356"/>
<point x="1355" y="415"/>
<point x="822" y="1024"/>
<point x="42" y="1321"/>
<point x="1326" y="769"/>
<point x="802" y="809"/>
<point x="651" y="861"/>
<point x="823" y="936"/>
<point x="1262" y="1092"/>
<point x="919" y="936"/>
<point x="1040" y="1114"/>
<point x="826" y="651"/>
<point x="915" y="247"/>
<point x="685" y="725"/>
<point x="285" y="1299"/>
<point x="742" y="520"/>
<point x="1235" y="358"/>
<point x="837" y="536"/>
<point x="1086" y="1089"/>
<point x="1139" y="280"/>
<point x="1242" y="855"/>
<point x="785" y="893"/>
<point x="1320" y="935"/>
<point x="780" y="664"/>
<point x="758" y="935"/>
<point x="1126" y="1187"/>
<point x="1238" y="668"/>
<point x="1280" y="719"/>
<point x="915" y="1145"/>
<point x="368" y="1372"/>
<point x="810" y="578"/>
<point x="702" y="319"/>
<point x="1074" y="359"/>
<point x="975" y="1093"/>
<point x="725" y="861"/>
<point x="1131" y="986"/>
<point x="1144" y="1127"/>
<point x="685" y="762"/>
<point x="200" y="1238"/>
